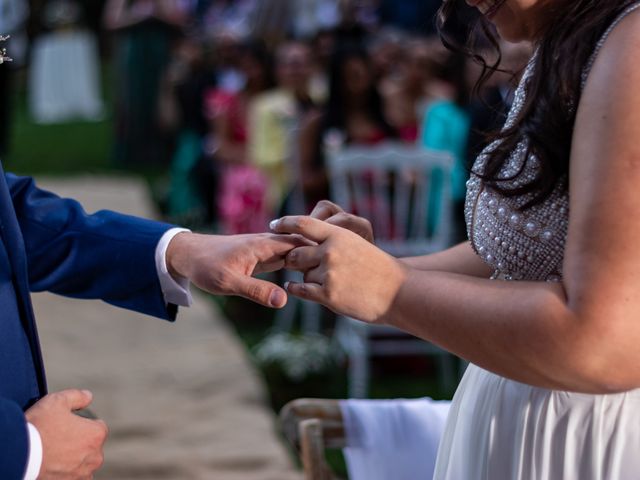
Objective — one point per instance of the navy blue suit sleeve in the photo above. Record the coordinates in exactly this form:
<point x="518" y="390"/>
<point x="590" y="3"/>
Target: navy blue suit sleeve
<point x="14" y="453"/>
<point x="106" y="255"/>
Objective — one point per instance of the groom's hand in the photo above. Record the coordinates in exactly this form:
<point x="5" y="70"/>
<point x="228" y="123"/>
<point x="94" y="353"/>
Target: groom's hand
<point x="224" y="265"/>
<point x="71" y="445"/>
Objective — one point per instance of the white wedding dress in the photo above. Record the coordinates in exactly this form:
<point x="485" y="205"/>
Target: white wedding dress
<point x="499" y="429"/>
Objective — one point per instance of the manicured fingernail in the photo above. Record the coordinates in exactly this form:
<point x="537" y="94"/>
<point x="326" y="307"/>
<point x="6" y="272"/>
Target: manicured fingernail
<point x="286" y="286"/>
<point x="277" y="298"/>
<point x="88" y="393"/>
<point x="273" y="224"/>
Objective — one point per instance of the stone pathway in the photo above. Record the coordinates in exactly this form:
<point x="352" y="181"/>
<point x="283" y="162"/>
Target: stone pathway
<point x="182" y="400"/>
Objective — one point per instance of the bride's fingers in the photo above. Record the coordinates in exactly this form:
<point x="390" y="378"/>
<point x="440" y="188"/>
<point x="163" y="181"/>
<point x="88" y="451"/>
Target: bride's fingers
<point x="303" y="258"/>
<point x="310" y="228"/>
<point x="358" y="225"/>
<point x="325" y="209"/>
<point x="315" y="275"/>
<point x="269" y="266"/>
<point x="307" y="291"/>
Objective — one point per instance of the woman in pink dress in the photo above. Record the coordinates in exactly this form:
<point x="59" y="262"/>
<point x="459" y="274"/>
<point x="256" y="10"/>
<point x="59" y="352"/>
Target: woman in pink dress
<point x="242" y="191"/>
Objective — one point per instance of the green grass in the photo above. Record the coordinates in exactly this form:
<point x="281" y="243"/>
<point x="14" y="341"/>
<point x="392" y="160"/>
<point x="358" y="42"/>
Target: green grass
<point x="71" y="148"/>
<point x="64" y="149"/>
<point x="59" y="149"/>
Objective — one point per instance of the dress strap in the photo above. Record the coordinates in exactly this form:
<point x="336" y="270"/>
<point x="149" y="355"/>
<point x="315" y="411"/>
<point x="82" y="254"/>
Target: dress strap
<point x="587" y="69"/>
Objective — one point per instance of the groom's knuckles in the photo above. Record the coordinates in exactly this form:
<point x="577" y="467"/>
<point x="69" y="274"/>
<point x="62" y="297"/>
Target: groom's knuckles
<point x="95" y="461"/>
<point x="74" y="399"/>
<point x="102" y="430"/>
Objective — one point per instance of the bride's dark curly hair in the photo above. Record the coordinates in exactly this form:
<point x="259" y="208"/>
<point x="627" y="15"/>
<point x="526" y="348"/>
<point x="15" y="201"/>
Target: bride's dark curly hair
<point x="548" y="115"/>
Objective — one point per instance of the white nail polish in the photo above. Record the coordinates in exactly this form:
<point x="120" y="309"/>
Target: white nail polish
<point x="273" y="224"/>
<point x="286" y="286"/>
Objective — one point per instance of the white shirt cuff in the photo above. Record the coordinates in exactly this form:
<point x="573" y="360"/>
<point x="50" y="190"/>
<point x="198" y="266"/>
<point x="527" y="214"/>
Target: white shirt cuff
<point x="174" y="290"/>
<point x="35" y="454"/>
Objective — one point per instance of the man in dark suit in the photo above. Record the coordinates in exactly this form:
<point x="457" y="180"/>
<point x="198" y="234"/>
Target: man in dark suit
<point x="49" y="243"/>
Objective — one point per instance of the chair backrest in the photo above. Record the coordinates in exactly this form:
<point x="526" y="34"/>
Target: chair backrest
<point x="404" y="191"/>
<point x="311" y="426"/>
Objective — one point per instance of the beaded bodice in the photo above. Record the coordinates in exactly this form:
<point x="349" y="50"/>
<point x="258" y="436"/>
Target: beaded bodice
<point x="529" y="244"/>
<point x="518" y="245"/>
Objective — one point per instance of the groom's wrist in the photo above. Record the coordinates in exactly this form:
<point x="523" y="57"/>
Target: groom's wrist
<point x="175" y="289"/>
<point x="177" y="255"/>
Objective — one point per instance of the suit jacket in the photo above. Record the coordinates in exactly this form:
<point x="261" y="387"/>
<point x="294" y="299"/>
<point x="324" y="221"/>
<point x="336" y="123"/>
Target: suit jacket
<point x="50" y="243"/>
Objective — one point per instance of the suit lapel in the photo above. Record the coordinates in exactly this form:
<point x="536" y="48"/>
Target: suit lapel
<point x="14" y="244"/>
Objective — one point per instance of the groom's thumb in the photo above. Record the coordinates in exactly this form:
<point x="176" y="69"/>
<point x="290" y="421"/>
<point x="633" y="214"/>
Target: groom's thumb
<point x="77" y="399"/>
<point x="260" y="291"/>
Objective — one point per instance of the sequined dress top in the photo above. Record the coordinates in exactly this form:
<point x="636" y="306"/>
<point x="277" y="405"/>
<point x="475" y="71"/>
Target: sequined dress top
<point x="518" y="245"/>
<point x="498" y="428"/>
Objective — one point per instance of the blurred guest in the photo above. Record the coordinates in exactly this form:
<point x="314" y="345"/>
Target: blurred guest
<point x="275" y="116"/>
<point x="271" y="21"/>
<point x="488" y="109"/>
<point x="312" y="16"/>
<point x="241" y="196"/>
<point x="361" y="12"/>
<point x="385" y="48"/>
<point x="405" y="95"/>
<point x="231" y="16"/>
<point x="354" y="115"/>
<point x="446" y="129"/>
<point x="64" y="80"/>
<point x="145" y="31"/>
<point x="416" y="16"/>
<point x="12" y="23"/>
<point x="323" y="46"/>
<point x="229" y="74"/>
<point x="182" y="93"/>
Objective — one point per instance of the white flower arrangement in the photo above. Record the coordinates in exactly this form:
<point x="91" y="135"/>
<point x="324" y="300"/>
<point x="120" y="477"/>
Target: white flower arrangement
<point x="298" y="355"/>
<point x="3" y="51"/>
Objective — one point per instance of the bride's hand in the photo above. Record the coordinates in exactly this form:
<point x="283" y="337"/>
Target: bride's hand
<point x="343" y="271"/>
<point x="335" y="215"/>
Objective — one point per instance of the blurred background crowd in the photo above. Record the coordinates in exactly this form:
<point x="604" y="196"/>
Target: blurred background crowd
<point x="237" y="100"/>
<point x="230" y="109"/>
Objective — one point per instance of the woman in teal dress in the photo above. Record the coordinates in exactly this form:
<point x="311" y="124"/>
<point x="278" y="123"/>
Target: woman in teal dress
<point x="145" y="33"/>
<point x="446" y="129"/>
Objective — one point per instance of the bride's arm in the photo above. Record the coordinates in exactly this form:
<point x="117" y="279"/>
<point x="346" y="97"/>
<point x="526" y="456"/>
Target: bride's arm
<point x="581" y="334"/>
<point x="458" y="259"/>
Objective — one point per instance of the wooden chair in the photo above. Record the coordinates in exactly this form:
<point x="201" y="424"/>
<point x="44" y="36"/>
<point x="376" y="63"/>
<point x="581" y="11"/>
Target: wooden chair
<point x="394" y="187"/>
<point x="311" y="426"/>
<point x="314" y="425"/>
